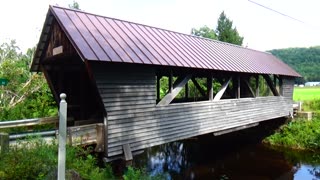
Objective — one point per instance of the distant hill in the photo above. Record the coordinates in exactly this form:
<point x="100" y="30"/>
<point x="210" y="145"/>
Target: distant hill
<point x="305" y="61"/>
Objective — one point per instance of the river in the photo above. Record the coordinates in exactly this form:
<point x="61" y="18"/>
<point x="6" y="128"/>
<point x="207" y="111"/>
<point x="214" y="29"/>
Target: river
<point x="239" y="155"/>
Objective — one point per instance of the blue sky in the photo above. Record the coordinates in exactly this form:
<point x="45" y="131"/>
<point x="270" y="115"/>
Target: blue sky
<point x="262" y="29"/>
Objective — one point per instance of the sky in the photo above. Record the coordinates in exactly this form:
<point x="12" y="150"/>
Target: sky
<point x="261" y="28"/>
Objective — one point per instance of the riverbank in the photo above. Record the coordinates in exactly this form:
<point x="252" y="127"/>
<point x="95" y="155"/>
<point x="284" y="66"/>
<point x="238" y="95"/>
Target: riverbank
<point x="300" y="134"/>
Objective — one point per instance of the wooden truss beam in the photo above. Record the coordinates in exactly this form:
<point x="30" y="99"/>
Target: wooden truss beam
<point x="222" y="90"/>
<point x="228" y="90"/>
<point x="196" y="84"/>
<point x="177" y="87"/>
<point x="271" y="85"/>
<point x="246" y="82"/>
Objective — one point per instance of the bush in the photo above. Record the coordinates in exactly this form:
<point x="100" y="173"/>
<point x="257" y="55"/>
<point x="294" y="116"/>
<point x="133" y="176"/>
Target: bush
<point x="36" y="159"/>
<point x="299" y="134"/>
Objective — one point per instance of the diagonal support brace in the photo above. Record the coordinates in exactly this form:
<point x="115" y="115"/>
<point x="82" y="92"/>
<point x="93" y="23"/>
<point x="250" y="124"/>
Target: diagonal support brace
<point x="222" y="90"/>
<point x="127" y="152"/>
<point x="246" y="82"/>
<point x="197" y="85"/>
<point x="271" y="85"/>
<point x="178" y="86"/>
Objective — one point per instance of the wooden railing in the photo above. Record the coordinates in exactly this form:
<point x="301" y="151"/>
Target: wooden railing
<point x="76" y="135"/>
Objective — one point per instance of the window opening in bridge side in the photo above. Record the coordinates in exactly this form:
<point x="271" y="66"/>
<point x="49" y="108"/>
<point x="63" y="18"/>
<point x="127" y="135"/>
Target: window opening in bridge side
<point x="191" y="88"/>
<point x="268" y="85"/>
<point x="182" y="88"/>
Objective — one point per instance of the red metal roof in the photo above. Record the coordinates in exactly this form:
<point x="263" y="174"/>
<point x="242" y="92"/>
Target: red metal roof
<point x="107" y="39"/>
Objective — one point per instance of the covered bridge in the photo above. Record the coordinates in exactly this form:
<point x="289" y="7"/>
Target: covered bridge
<point x="151" y="86"/>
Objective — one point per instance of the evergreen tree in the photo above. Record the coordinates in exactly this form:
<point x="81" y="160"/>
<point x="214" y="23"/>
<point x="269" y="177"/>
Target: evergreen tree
<point x="226" y="32"/>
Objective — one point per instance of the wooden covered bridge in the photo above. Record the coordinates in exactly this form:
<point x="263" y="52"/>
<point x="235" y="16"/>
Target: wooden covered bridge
<point x="151" y="86"/>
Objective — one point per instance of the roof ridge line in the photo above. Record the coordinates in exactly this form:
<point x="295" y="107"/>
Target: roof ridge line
<point x="193" y="36"/>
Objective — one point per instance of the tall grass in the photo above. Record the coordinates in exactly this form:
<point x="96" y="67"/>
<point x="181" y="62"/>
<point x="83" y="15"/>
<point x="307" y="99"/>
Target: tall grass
<point x="313" y="105"/>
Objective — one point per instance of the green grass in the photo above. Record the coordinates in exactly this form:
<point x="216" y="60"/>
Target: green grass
<point x="306" y="93"/>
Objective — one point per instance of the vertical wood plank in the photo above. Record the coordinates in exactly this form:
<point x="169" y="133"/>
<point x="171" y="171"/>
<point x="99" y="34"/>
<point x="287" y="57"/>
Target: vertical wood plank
<point x="210" y="88"/>
<point x="158" y="88"/>
<point x="105" y="123"/>
<point x="257" y="86"/>
<point x="187" y="91"/>
<point x="100" y="138"/>
<point x="238" y="87"/>
<point x="127" y="152"/>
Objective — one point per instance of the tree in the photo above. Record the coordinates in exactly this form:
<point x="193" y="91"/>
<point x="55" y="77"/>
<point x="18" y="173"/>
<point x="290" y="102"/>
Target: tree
<point x="223" y="32"/>
<point x="9" y="51"/>
<point x="305" y="61"/>
<point x="226" y="32"/>
<point x="27" y="94"/>
<point x="204" y="31"/>
<point x="74" y="5"/>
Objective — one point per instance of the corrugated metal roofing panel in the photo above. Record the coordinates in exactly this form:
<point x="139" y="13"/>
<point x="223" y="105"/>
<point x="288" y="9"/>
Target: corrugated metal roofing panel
<point x="107" y="39"/>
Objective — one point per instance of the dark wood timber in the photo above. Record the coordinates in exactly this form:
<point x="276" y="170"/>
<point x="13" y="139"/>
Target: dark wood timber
<point x="210" y="88"/>
<point x="187" y="91"/>
<point x="271" y="85"/>
<point x="238" y="87"/>
<point x="170" y="82"/>
<point x="58" y="39"/>
<point x="247" y="84"/>
<point x="158" y="88"/>
<point x="196" y="84"/>
<point x="280" y="86"/>
<point x="257" y="86"/>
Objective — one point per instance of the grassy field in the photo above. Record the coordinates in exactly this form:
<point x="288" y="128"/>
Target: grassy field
<point x="306" y="93"/>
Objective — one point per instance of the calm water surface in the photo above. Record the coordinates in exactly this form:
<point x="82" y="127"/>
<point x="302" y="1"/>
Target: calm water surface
<point x="227" y="157"/>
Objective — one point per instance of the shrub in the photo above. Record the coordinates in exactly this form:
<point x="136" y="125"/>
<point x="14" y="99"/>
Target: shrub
<point x="36" y="159"/>
<point x="299" y="134"/>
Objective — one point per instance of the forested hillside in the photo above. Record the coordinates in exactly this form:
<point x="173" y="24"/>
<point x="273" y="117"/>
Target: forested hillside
<point x="305" y="61"/>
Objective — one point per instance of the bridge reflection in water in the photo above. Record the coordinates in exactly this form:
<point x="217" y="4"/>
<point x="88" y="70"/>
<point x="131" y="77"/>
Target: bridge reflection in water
<point x="238" y="155"/>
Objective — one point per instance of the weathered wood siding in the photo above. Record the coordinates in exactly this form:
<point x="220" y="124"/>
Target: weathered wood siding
<point x="287" y="87"/>
<point x="129" y="96"/>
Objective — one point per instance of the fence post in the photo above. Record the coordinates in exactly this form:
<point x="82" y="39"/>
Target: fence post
<point x="62" y="137"/>
<point x="4" y="142"/>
